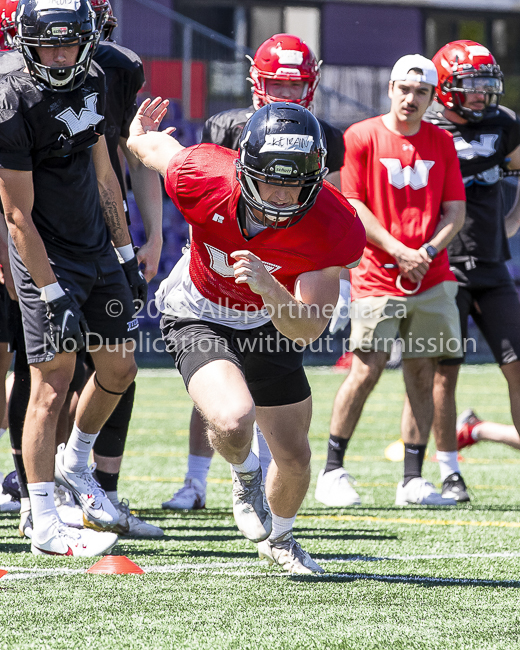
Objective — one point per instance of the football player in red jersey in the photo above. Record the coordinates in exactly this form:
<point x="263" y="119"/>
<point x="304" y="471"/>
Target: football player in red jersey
<point x="487" y="138"/>
<point x="268" y="245"/>
<point x="284" y="68"/>
<point x="402" y="177"/>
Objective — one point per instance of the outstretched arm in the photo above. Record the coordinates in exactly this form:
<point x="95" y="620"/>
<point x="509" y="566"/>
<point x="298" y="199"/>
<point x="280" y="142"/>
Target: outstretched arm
<point x="153" y="148"/>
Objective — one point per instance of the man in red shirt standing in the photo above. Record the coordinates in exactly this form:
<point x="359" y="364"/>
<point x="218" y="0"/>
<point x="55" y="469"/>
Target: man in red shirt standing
<point x="403" y="178"/>
<point x="269" y="240"/>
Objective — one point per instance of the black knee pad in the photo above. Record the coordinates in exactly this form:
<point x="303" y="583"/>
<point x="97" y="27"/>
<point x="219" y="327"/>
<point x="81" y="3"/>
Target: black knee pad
<point x="112" y="438"/>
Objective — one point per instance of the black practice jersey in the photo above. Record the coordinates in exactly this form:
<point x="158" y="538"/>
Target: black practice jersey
<point x="51" y="134"/>
<point x="482" y="149"/>
<point x="226" y="128"/>
<point x="124" y="78"/>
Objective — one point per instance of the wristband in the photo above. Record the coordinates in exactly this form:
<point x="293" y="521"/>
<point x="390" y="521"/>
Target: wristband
<point x="51" y="292"/>
<point x="126" y="252"/>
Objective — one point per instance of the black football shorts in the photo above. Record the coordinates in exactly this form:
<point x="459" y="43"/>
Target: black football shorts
<point x="98" y="286"/>
<point x="271" y="363"/>
<point x="489" y="296"/>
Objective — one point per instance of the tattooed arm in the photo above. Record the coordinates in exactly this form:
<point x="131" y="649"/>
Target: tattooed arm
<point x="110" y="195"/>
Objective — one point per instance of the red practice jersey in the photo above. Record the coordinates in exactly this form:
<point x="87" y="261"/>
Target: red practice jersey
<point x="201" y="181"/>
<point x="403" y="180"/>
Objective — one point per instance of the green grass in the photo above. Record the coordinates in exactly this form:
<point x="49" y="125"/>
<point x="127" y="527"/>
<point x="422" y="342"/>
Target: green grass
<point x="396" y="577"/>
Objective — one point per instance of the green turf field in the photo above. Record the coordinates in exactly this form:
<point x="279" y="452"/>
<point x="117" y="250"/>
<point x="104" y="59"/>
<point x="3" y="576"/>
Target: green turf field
<point x="396" y="577"/>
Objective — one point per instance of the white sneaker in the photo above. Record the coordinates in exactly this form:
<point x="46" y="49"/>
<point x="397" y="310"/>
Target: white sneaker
<point x="8" y="504"/>
<point x="69" y="513"/>
<point x="191" y="496"/>
<point x="96" y="506"/>
<point x="131" y="526"/>
<point x="419" y="492"/>
<point x="63" y="540"/>
<point x="250" y="507"/>
<point x="335" y="489"/>
<point x="25" y="525"/>
<point x="286" y="552"/>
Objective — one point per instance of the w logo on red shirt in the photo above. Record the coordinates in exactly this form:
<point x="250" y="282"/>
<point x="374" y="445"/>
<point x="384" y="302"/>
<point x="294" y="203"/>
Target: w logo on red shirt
<point x="416" y="178"/>
<point x="220" y="264"/>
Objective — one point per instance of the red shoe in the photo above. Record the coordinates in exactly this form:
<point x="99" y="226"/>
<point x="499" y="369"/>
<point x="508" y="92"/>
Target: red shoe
<point x="466" y="422"/>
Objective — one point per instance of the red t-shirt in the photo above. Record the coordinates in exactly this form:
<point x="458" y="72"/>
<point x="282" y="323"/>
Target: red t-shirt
<point x="403" y="180"/>
<point x="201" y="181"/>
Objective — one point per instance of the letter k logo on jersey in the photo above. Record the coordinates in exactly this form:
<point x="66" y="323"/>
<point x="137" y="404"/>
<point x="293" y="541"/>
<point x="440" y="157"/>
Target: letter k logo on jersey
<point x="416" y="178"/>
<point x="87" y="116"/>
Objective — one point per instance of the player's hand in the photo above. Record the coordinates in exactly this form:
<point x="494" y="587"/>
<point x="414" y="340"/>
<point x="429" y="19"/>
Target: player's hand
<point x="149" y="255"/>
<point x="149" y="117"/>
<point x="67" y="324"/>
<point x="249" y="269"/>
<point x="413" y="264"/>
<point x="138" y="285"/>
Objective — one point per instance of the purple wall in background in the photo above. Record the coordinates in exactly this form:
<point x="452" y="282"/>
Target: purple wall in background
<point x="369" y="35"/>
<point x="145" y="31"/>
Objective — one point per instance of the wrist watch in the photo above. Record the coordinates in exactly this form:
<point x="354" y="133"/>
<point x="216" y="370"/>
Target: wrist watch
<point x="431" y="250"/>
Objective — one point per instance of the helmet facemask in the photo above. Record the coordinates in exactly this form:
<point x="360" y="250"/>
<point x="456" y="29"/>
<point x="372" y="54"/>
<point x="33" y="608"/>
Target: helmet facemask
<point x="488" y="80"/>
<point x="58" y="28"/>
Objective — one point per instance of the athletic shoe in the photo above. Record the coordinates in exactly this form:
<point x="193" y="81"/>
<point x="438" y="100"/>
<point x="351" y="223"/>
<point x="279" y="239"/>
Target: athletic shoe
<point x="191" y="496"/>
<point x="419" y="492"/>
<point x="286" y="552"/>
<point x="250" y="507"/>
<point x="63" y="540"/>
<point x="335" y="489"/>
<point x="453" y="487"/>
<point x="26" y="524"/>
<point x="8" y="504"/>
<point x="96" y="506"/>
<point x="466" y="422"/>
<point x="131" y="526"/>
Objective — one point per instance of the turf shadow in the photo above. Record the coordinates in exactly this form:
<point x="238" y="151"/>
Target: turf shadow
<point x="422" y="581"/>
<point x="318" y="534"/>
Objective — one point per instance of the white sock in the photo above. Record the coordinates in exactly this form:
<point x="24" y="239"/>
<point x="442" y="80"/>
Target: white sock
<point x="198" y="467"/>
<point x="281" y="525"/>
<point x="264" y="453"/>
<point x="251" y="464"/>
<point x="113" y="498"/>
<point x="25" y="505"/>
<point x="78" y="449"/>
<point x="43" y="510"/>
<point x="448" y="463"/>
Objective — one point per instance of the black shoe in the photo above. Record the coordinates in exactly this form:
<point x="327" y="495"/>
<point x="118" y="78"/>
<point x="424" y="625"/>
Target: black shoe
<point x="453" y="487"/>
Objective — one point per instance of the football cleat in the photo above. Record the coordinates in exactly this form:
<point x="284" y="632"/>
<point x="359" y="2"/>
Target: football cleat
<point x="63" y="540"/>
<point x="286" y="552"/>
<point x="250" y="507"/>
<point x="131" y="526"/>
<point x="419" y="492"/>
<point x="26" y="524"/>
<point x="466" y="422"/>
<point x="453" y="487"/>
<point x="96" y="506"/>
<point x="191" y="496"/>
<point x="335" y="489"/>
<point x="8" y="504"/>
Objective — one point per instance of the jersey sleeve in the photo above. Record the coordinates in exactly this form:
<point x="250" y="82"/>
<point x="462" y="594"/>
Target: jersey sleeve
<point x="353" y="172"/>
<point x="335" y="147"/>
<point x="513" y="135"/>
<point x="453" y="189"/>
<point x="197" y="178"/>
<point x="15" y="140"/>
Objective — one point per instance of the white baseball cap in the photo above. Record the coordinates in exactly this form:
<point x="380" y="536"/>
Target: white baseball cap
<point x="402" y="70"/>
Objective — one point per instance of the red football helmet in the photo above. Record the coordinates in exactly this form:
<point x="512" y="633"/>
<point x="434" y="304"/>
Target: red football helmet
<point x="284" y="57"/>
<point x="106" y="21"/>
<point x="8" y="28"/>
<point x="468" y="67"/>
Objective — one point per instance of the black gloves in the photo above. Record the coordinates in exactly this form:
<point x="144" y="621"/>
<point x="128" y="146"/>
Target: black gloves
<point x="67" y="324"/>
<point x="138" y="285"/>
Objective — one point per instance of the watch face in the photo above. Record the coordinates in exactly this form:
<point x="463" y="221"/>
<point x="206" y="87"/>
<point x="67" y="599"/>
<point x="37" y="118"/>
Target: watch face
<point x="432" y="251"/>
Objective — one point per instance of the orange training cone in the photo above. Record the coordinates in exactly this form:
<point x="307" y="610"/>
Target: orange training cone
<point x="2" y="573"/>
<point x="115" y="564"/>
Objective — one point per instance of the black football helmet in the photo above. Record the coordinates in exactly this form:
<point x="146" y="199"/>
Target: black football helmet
<point x="56" y="23"/>
<point x="281" y="144"/>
